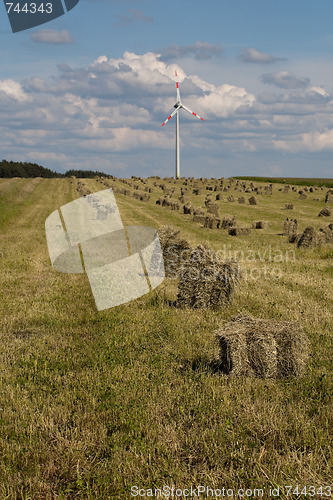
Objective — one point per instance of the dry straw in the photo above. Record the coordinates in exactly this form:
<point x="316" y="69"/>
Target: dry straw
<point x="206" y="281"/>
<point x="173" y="248"/>
<point x="262" y="348"/>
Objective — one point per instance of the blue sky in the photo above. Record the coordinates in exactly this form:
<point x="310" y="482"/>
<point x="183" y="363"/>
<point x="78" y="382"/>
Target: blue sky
<point x="91" y="89"/>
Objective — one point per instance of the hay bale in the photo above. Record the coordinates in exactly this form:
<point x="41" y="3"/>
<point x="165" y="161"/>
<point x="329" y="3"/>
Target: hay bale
<point x="262" y="348"/>
<point x="231" y="199"/>
<point x="199" y="218"/>
<point x="241" y="200"/>
<point x="329" y="196"/>
<point x="289" y="206"/>
<point x="175" y="205"/>
<point x="166" y="201"/>
<point x="302" y="196"/>
<point x="212" y="222"/>
<point x="197" y="191"/>
<point x="239" y="231"/>
<point x="208" y="199"/>
<point x="228" y="221"/>
<point x="310" y="238"/>
<point x="260" y="224"/>
<point x="188" y="208"/>
<point x="212" y="208"/>
<point x="326" y="234"/>
<point x="253" y="200"/>
<point x="290" y="227"/>
<point x="206" y="281"/>
<point x="325" y="212"/>
<point x="174" y="248"/>
<point x="199" y="211"/>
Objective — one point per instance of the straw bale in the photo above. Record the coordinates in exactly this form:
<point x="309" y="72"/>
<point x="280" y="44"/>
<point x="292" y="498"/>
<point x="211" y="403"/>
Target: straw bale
<point x="262" y="348"/>
<point x="212" y="222"/>
<point x="212" y="208"/>
<point x="302" y="196"/>
<point x="206" y="281"/>
<point x="253" y="200"/>
<point x="310" y="238"/>
<point x="228" y="221"/>
<point x="326" y="234"/>
<point x="188" y="208"/>
<point x="260" y="224"/>
<point x="329" y="196"/>
<point x="325" y="212"/>
<point x="199" y="218"/>
<point x="241" y="200"/>
<point x="289" y="206"/>
<point x="199" y="211"/>
<point x="208" y="199"/>
<point x="174" y="249"/>
<point x="239" y="231"/>
<point x="290" y="227"/>
<point x="231" y="198"/>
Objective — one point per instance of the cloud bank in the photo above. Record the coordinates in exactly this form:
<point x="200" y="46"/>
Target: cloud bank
<point x="108" y="115"/>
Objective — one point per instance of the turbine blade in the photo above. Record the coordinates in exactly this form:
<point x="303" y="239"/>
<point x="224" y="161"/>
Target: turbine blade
<point x="173" y="113"/>
<point x="177" y="87"/>
<point x="192" y="112"/>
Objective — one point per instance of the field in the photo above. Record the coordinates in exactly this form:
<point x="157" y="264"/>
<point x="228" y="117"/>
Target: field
<point x="95" y="403"/>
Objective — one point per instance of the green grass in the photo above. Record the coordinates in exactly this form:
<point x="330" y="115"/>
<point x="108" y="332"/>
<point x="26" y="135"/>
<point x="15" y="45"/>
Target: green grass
<point x="93" y="403"/>
<point x="306" y="181"/>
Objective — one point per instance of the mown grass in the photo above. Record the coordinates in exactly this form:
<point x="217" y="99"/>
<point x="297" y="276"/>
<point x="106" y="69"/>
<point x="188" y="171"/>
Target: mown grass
<point x="306" y="181"/>
<point x="93" y="403"/>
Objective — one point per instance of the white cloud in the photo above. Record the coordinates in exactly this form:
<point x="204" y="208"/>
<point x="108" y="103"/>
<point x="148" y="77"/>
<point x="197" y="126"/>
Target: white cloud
<point x="251" y="55"/>
<point x="285" y="80"/>
<point x="225" y="100"/>
<point x="111" y="111"/>
<point x="52" y="36"/>
<point x="13" y="89"/>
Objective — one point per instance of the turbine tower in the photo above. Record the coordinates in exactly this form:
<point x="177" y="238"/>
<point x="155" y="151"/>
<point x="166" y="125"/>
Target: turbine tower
<point x="178" y="106"/>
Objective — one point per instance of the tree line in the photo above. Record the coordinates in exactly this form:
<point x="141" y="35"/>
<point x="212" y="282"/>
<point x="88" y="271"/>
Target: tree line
<point x="25" y="169"/>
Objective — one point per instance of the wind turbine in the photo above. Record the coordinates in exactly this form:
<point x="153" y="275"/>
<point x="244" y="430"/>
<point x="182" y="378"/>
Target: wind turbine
<point x="178" y="106"/>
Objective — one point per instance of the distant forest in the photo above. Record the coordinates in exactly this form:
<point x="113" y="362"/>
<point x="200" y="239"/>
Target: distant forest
<point x="24" y="169"/>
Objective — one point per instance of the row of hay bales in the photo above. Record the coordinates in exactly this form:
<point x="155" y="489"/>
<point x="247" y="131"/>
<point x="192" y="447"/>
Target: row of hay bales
<point x="248" y="347"/>
<point x="82" y="189"/>
<point x="309" y="237"/>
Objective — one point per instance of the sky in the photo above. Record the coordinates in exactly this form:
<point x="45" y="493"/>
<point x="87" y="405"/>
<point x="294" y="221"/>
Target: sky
<point x="91" y="89"/>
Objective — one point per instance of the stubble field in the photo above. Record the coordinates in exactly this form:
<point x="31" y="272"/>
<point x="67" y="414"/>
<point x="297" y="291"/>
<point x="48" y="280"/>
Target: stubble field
<point x="95" y="403"/>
